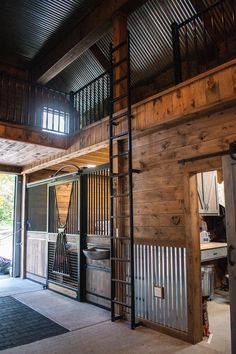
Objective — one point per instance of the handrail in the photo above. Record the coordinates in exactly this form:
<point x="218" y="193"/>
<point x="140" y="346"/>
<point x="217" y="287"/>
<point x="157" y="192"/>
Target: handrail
<point x="90" y="102"/>
<point x="91" y="82"/>
<point x="200" y="13"/>
<point x="204" y="40"/>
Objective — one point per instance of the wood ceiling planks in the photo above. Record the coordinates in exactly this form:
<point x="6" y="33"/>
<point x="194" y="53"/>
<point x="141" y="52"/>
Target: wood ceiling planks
<point x="99" y="157"/>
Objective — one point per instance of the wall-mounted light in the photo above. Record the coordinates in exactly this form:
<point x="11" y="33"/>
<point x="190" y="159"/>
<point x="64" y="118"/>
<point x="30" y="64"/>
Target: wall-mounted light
<point x="91" y="166"/>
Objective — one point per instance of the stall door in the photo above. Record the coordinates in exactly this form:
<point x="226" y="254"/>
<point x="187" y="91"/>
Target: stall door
<point x="229" y="166"/>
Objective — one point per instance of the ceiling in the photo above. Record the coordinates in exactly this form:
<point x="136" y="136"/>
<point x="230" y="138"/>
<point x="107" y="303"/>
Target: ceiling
<point x="35" y="25"/>
<point x="17" y="153"/>
<point x="32" y="24"/>
<point x="151" y="45"/>
<point x="92" y="159"/>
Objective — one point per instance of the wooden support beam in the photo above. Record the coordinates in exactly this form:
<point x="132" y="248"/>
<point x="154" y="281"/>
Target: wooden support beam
<point x="120" y="34"/>
<point x="85" y="34"/>
<point x="23" y="227"/>
<point x="32" y="136"/>
<point x="10" y="169"/>
<point x="96" y="51"/>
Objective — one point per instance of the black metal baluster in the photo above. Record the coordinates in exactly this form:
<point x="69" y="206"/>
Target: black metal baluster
<point x="176" y="53"/>
<point x="224" y="30"/>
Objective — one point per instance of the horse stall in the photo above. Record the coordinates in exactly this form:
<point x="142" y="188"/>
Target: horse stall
<point x="68" y="242"/>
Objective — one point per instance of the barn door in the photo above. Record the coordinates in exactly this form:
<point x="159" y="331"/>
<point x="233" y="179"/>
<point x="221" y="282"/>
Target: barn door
<point x="229" y="167"/>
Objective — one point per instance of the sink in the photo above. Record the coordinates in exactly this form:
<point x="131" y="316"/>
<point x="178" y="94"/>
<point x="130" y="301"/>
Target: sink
<point x="96" y="253"/>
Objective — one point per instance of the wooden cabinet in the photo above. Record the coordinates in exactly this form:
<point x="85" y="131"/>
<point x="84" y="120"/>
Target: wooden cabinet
<point x="207" y="193"/>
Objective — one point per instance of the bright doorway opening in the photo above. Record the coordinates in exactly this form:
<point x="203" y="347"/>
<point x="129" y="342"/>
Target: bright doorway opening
<point x="7" y="202"/>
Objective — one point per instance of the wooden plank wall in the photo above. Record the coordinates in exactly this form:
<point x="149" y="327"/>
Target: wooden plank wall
<point x="163" y="193"/>
<point x="159" y="188"/>
<point x="36" y="256"/>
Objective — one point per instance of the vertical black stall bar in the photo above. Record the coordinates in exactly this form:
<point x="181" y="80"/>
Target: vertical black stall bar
<point x="131" y="225"/>
<point x="111" y="188"/>
<point x="176" y="53"/>
<point x="72" y="115"/>
<point x="83" y="233"/>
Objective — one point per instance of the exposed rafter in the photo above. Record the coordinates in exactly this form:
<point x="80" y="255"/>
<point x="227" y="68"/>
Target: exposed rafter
<point x="96" y="51"/>
<point x="84" y="35"/>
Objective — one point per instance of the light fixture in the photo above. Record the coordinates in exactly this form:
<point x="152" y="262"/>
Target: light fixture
<point x="91" y="166"/>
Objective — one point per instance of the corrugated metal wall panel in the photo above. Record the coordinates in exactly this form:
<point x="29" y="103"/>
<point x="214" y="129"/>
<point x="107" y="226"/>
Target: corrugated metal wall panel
<point x="164" y="267"/>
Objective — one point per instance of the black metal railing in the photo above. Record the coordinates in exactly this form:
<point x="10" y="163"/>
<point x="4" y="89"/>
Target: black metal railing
<point x="34" y="105"/>
<point x="91" y="102"/>
<point x="205" y="40"/>
<point x="98" y="201"/>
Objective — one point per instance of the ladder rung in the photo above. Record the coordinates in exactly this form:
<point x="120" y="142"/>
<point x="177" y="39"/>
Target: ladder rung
<point x="120" y="259"/>
<point x="121" y="303"/>
<point x="121" y="281"/>
<point x="118" y="46"/>
<point x="120" y="155"/>
<point x="122" y="174"/>
<point x="120" y="115"/>
<point x="117" y="136"/>
<point x="120" y="195"/>
<point x="115" y="123"/>
<point x="135" y="170"/>
<point x="117" y="81"/>
<point x="120" y="238"/>
<point x="120" y="216"/>
<point x="118" y="98"/>
<point x="118" y="63"/>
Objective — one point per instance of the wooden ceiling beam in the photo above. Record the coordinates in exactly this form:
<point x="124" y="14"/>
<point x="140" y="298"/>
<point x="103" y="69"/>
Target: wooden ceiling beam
<point x="16" y="170"/>
<point x="98" y="54"/>
<point x="84" y="35"/>
<point x="32" y="136"/>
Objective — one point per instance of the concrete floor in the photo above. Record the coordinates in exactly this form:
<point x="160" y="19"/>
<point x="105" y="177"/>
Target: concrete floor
<point x="91" y="331"/>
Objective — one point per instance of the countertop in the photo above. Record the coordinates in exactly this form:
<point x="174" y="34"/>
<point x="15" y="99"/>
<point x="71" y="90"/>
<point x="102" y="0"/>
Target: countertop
<point x="212" y="245"/>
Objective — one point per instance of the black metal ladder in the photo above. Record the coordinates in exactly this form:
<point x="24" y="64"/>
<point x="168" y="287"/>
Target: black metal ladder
<point x="122" y="254"/>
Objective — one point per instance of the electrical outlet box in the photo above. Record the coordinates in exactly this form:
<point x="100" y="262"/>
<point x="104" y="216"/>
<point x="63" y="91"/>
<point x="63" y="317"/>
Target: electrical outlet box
<point x="159" y="291"/>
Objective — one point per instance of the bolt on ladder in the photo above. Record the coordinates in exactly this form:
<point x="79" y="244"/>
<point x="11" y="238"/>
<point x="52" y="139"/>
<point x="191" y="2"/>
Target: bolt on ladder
<point x="121" y="190"/>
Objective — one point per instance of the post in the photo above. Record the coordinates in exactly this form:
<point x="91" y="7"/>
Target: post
<point x="17" y="227"/>
<point x="72" y="122"/>
<point x="23" y="227"/>
<point x="83" y="242"/>
<point x="176" y="53"/>
<point x="120" y="34"/>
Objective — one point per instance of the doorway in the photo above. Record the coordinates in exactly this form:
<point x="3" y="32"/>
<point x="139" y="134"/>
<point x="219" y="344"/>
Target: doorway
<point x="213" y="251"/>
<point x="210" y="242"/>
<point x="8" y="184"/>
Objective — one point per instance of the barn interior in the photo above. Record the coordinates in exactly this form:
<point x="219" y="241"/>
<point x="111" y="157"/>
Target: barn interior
<point x="117" y="119"/>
